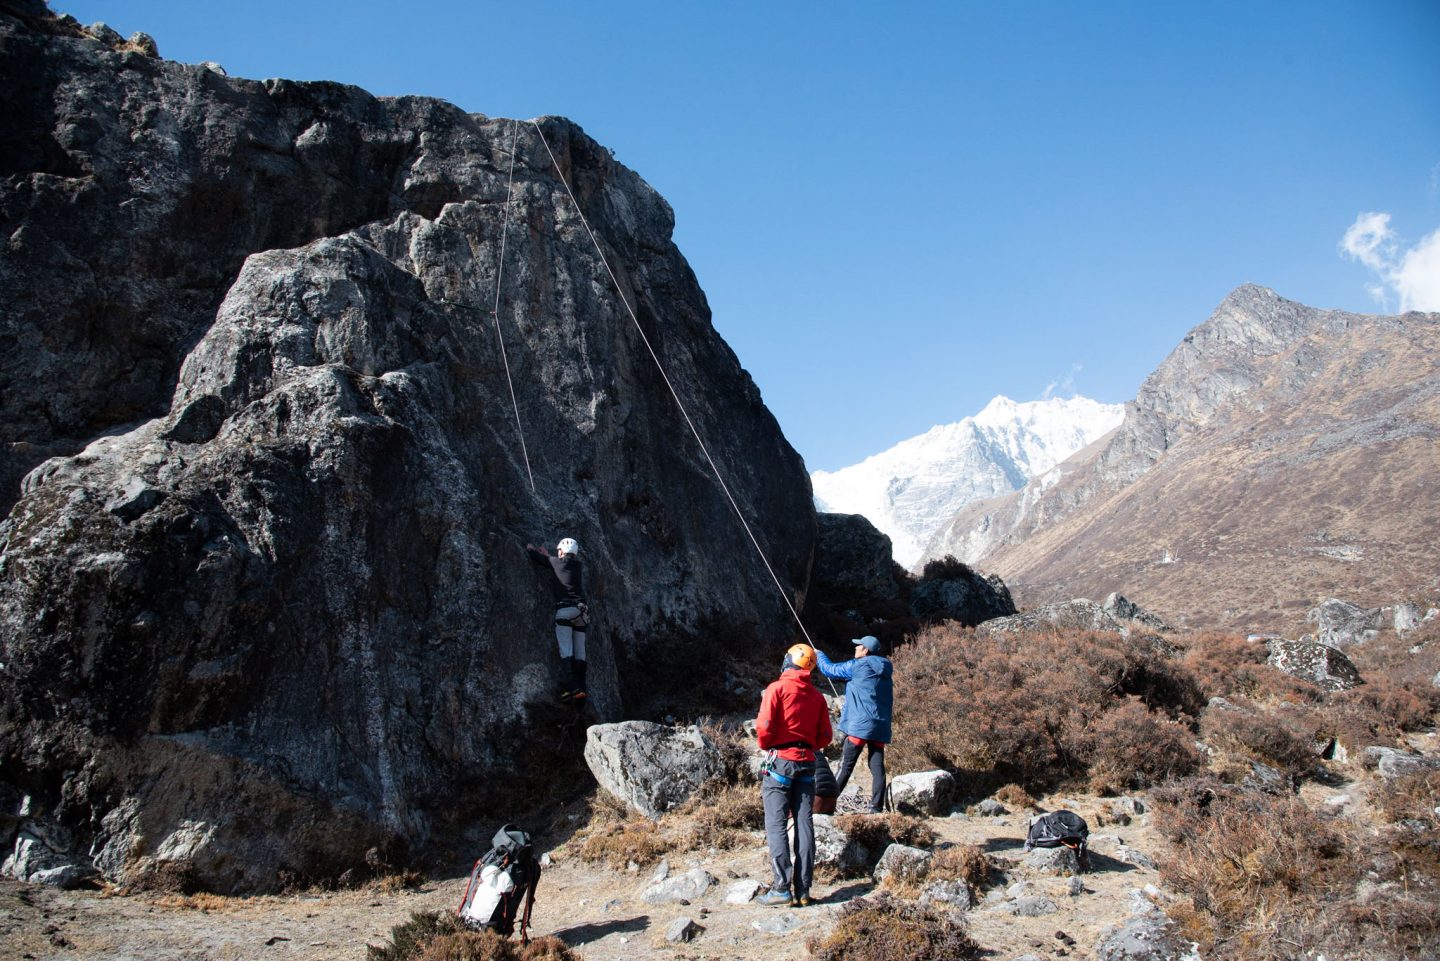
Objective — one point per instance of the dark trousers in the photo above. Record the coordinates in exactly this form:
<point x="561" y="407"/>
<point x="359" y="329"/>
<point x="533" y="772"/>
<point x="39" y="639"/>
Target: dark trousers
<point x="795" y="800"/>
<point x="849" y="756"/>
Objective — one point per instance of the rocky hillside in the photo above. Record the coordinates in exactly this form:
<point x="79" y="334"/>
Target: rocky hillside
<point x="263" y="602"/>
<point x="913" y="489"/>
<point x="1281" y="454"/>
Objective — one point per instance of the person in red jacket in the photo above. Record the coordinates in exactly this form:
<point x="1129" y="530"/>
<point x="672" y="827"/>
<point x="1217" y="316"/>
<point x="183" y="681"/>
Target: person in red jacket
<point x="793" y="724"/>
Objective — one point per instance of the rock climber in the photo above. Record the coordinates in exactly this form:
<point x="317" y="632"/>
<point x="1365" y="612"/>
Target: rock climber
<point x="572" y="612"/>
<point x="792" y="725"/>
<point x="865" y="719"/>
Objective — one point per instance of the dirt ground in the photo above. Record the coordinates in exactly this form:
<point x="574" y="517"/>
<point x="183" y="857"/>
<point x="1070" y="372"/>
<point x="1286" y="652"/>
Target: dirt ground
<point x="596" y="910"/>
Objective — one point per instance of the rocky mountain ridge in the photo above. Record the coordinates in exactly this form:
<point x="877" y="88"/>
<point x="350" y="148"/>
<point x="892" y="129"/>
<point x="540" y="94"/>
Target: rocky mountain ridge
<point x="1279" y="455"/>
<point x="915" y="487"/>
<point x="265" y="615"/>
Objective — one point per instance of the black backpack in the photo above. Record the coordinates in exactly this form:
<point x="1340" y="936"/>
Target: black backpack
<point x="825" y="787"/>
<point x="493" y="897"/>
<point x="1060" y="828"/>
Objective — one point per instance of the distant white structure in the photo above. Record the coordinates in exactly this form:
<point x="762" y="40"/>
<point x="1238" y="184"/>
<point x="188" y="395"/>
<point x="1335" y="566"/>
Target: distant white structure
<point x="913" y="489"/>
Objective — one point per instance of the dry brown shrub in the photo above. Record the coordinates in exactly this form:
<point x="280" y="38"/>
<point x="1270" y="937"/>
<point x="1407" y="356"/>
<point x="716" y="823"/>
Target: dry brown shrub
<point x="548" y="948"/>
<point x="1226" y="665"/>
<point x="1257" y="869"/>
<point x="489" y="946"/>
<point x="467" y="946"/>
<point x="1271" y="738"/>
<point x="616" y="845"/>
<point x="887" y="929"/>
<point x="1015" y="796"/>
<point x="963" y="862"/>
<point x="1410" y="797"/>
<point x="734" y="746"/>
<point x="1019" y="709"/>
<point x="723" y="816"/>
<point x="166" y="877"/>
<point x="1130" y="747"/>
<point x="876" y="832"/>
<point x="410" y="937"/>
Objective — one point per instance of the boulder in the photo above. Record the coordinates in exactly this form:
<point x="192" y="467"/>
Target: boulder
<point x="1148" y="936"/>
<point x="902" y="861"/>
<point x="1032" y="906"/>
<point x="682" y="931"/>
<point x="952" y="893"/>
<point x="1079" y="614"/>
<point x="649" y="766"/>
<point x="1392" y="763"/>
<point x="990" y="808"/>
<point x="1061" y="861"/>
<point x="1339" y="623"/>
<point x="1406" y="618"/>
<point x="1122" y="608"/>
<point x="743" y="891"/>
<point x="265" y="488"/>
<point x="1318" y="663"/>
<point x="952" y="590"/>
<point x="836" y="850"/>
<point x="1271" y="780"/>
<point x="923" y="792"/>
<point x="688" y="887"/>
<point x="1139" y="859"/>
<point x="44" y="855"/>
<point x="853" y="563"/>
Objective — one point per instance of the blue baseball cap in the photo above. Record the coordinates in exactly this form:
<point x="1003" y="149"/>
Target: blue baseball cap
<point x="870" y="642"/>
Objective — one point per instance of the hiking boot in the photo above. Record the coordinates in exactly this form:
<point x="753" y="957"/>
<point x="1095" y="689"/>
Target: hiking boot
<point x="578" y="695"/>
<point x="774" y="898"/>
<point x="566" y="695"/>
<point x="803" y="901"/>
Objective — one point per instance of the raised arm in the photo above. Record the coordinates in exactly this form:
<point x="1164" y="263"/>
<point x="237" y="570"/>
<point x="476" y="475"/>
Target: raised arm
<point x="842" y="671"/>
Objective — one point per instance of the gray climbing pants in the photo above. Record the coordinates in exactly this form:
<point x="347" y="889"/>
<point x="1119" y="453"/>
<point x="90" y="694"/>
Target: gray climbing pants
<point x="781" y="802"/>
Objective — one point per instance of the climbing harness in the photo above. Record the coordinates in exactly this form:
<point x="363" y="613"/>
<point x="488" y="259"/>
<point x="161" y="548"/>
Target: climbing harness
<point x="673" y="393"/>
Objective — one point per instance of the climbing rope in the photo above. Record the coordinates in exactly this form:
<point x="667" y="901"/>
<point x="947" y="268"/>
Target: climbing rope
<point x="673" y="393"/>
<point x="495" y="313"/>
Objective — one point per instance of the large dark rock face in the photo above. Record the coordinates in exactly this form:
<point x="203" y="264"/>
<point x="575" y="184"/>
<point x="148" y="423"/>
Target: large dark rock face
<point x="268" y="612"/>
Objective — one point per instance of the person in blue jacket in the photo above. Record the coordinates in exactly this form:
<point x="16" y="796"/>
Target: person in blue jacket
<point x="865" y="720"/>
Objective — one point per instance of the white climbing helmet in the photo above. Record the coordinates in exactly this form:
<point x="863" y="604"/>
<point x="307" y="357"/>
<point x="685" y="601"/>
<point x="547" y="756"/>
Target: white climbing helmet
<point x="568" y="546"/>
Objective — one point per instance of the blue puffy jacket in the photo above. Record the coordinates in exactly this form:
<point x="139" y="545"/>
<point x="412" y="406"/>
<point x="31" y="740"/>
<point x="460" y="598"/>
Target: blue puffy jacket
<point x="869" y="694"/>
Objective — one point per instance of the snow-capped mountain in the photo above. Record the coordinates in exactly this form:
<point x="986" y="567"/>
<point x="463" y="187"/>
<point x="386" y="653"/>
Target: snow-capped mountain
<point x="911" y="490"/>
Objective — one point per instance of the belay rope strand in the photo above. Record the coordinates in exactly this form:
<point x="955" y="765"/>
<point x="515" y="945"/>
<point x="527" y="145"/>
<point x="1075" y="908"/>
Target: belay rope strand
<point x="495" y="313"/>
<point x="673" y="393"/>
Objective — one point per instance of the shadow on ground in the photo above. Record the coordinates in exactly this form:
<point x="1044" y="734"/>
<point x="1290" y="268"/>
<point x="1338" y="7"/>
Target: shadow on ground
<point x="585" y="933"/>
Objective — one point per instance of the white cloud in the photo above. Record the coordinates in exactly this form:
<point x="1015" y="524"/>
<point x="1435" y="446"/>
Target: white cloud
<point x="1370" y="240"/>
<point x="1418" y="276"/>
<point x="1410" y="276"/>
<point x="1064" y="384"/>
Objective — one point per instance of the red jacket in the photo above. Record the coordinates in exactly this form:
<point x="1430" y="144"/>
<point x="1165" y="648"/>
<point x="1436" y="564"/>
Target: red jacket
<point x="792" y="710"/>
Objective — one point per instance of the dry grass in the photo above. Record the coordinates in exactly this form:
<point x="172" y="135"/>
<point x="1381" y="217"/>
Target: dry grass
<point x="963" y="862"/>
<point x="1015" y="796"/>
<point x="204" y="902"/>
<point x="618" y="845"/>
<point x="888" y="929"/>
<point x="722" y="817"/>
<point x="399" y="881"/>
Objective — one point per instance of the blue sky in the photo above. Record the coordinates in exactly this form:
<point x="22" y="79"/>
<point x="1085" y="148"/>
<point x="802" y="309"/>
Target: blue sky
<point x="899" y="210"/>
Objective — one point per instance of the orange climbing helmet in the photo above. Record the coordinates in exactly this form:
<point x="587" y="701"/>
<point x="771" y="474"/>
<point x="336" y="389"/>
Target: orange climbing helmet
<point x="801" y="657"/>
